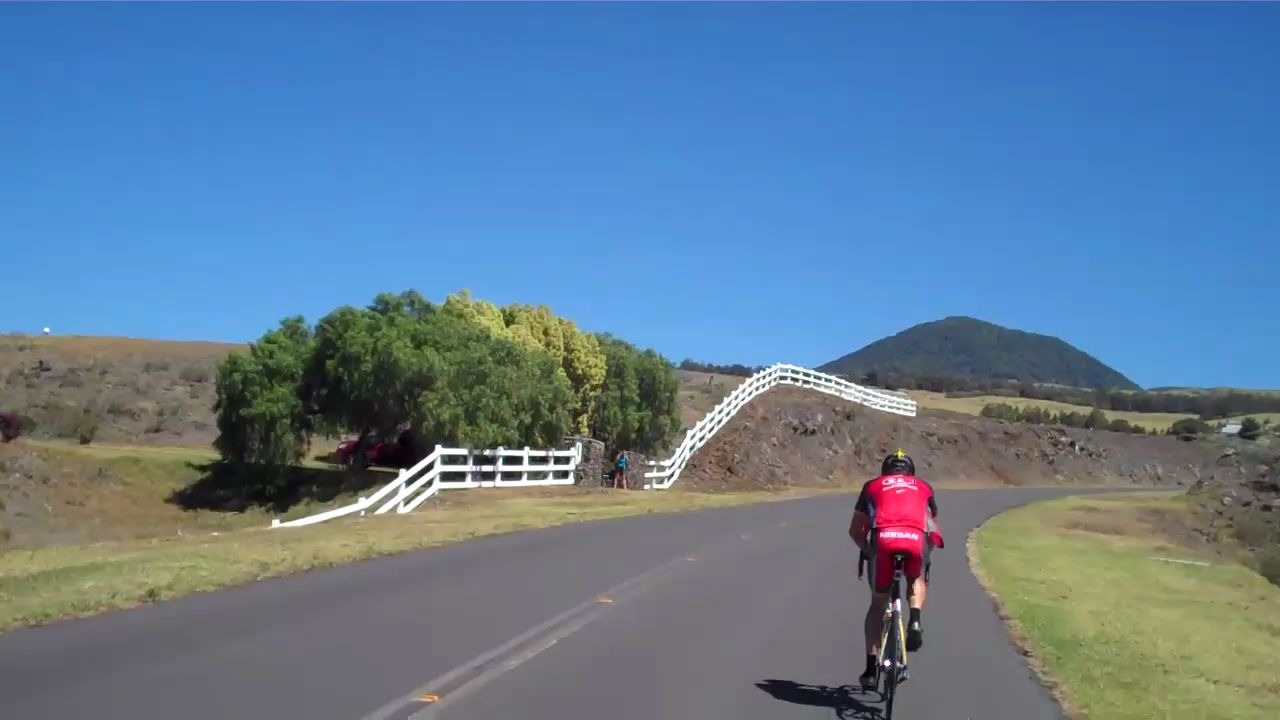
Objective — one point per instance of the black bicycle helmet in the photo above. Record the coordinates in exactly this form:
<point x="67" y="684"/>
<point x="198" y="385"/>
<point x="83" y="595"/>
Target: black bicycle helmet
<point x="897" y="463"/>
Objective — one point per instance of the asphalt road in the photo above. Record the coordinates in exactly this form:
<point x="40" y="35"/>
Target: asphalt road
<point x="743" y="613"/>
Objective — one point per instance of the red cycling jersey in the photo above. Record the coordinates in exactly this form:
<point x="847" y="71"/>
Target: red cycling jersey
<point x="898" y="501"/>
<point x="901" y="508"/>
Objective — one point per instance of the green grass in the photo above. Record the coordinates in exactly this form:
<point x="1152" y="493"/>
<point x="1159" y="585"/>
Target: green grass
<point x="1124" y="636"/>
<point x="37" y="586"/>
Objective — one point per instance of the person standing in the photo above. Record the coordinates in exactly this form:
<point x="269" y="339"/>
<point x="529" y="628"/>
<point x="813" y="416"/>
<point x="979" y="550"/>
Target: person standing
<point x="620" y="470"/>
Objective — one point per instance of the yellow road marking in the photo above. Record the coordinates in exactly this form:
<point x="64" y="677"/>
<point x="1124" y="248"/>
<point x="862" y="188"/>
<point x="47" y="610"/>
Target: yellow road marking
<point x="428" y="698"/>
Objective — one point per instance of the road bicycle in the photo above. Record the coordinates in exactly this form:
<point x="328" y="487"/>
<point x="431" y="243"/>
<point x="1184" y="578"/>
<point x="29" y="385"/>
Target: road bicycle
<point x="892" y="664"/>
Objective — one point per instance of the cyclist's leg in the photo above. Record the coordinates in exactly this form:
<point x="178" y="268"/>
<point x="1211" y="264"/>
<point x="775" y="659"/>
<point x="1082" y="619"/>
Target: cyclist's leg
<point x="918" y="584"/>
<point x="914" y="569"/>
<point x="879" y="580"/>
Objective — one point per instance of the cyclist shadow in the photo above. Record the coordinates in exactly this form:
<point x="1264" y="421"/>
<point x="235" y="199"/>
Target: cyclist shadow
<point x="842" y="700"/>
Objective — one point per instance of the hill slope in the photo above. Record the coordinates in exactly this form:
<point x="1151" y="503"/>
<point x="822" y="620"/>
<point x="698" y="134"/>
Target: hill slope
<point x="966" y="347"/>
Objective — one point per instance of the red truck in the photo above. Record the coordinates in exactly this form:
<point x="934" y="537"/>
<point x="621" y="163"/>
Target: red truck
<point x="10" y="426"/>
<point x="398" y="454"/>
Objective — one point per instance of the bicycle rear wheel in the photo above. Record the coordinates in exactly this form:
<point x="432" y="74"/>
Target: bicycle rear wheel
<point x="895" y="649"/>
<point x="890" y="673"/>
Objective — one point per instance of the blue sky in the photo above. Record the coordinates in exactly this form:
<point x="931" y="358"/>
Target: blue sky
<point x="729" y="182"/>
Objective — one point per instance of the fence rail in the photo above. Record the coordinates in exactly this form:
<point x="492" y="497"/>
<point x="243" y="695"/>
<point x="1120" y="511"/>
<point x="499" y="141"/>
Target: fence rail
<point x="663" y="474"/>
<point x="459" y="469"/>
<point x="463" y="469"/>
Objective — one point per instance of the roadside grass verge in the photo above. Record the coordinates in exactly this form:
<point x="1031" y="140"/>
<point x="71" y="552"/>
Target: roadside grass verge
<point x="41" y="585"/>
<point x="1119" y="635"/>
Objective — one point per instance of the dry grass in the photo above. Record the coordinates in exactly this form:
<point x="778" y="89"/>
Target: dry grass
<point x="38" y="586"/>
<point x="974" y="405"/>
<point x="700" y="392"/>
<point x="1121" y="635"/>
<point x="55" y="493"/>
<point x="137" y="391"/>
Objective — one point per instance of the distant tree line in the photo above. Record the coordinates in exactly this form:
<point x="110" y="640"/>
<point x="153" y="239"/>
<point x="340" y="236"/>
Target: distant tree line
<point x="1250" y="428"/>
<point x="1035" y="415"/>
<point x="735" y="369"/>
<point x="463" y="373"/>
<point x="1207" y="405"/>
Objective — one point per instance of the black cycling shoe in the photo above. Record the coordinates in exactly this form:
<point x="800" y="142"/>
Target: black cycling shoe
<point x="868" y="679"/>
<point x="915" y="636"/>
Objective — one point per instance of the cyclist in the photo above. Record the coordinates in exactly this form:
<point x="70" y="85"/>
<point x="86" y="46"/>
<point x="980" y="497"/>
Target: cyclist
<point x="895" y="513"/>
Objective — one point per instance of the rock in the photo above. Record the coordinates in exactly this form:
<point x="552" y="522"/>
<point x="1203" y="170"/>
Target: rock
<point x="1226" y="502"/>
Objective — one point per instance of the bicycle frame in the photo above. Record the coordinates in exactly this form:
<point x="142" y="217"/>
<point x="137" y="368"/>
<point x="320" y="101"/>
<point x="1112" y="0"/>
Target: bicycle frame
<point x="892" y="664"/>
<point x="892" y="611"/>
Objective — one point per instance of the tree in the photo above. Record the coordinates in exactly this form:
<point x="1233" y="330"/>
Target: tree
<point x="1250" y="428"/>
<point x="1071" y="418"/>
<point x="1188" y="427"/>
<point x="584" y="365"/>
<point x="637" y="407"/>
<point x="370" y="366"/>
<point x="1002" y="411"/>
<point x="578" y="353"/>
<point x="1035" y="415"/>
<point x="464" y="373"/>
<point x="262" y="421"/>
<point x="1119" y="425"/>
<point x="491" y="391"/>
<point x="403" y="363"/>
<point x="1096" y="420"/>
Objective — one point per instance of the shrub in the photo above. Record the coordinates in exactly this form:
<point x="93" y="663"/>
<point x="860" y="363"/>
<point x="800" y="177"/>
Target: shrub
<point x="1269" y="565"/>
<point x="196" y="374"/>
<point x="1250" y="429"/>
<point x="1096" y="420"/>
<point x="1120" y="426"/>
<point x="86" y="427"/>
<point x="1253" y="530"/>
<point x="117" y="407"/>
<point x="10" y="426"/>
<point x="1189" y="426"/>
<point x="71" y="380"/>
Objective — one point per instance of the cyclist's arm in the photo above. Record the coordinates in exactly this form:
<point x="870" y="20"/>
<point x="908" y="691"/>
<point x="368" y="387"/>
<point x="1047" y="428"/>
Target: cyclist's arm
<point x="932" y="528"/>
<point x="860" y="525"/>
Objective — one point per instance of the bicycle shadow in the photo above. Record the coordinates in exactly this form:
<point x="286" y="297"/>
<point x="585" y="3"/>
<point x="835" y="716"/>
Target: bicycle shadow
<point x="841" y="700"/>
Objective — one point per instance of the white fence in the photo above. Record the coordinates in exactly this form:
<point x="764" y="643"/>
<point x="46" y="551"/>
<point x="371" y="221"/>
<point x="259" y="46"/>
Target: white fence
<point x="665" y="473"/>
<point x="459" y="469"/>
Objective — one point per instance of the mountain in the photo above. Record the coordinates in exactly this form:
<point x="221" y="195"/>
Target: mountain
<point x="967" y="347"/>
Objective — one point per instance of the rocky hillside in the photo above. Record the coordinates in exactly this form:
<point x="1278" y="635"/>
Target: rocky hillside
<point x="968" y="348"/>
<point x="791" y="437"/>
<point x="1239" y="501"/>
